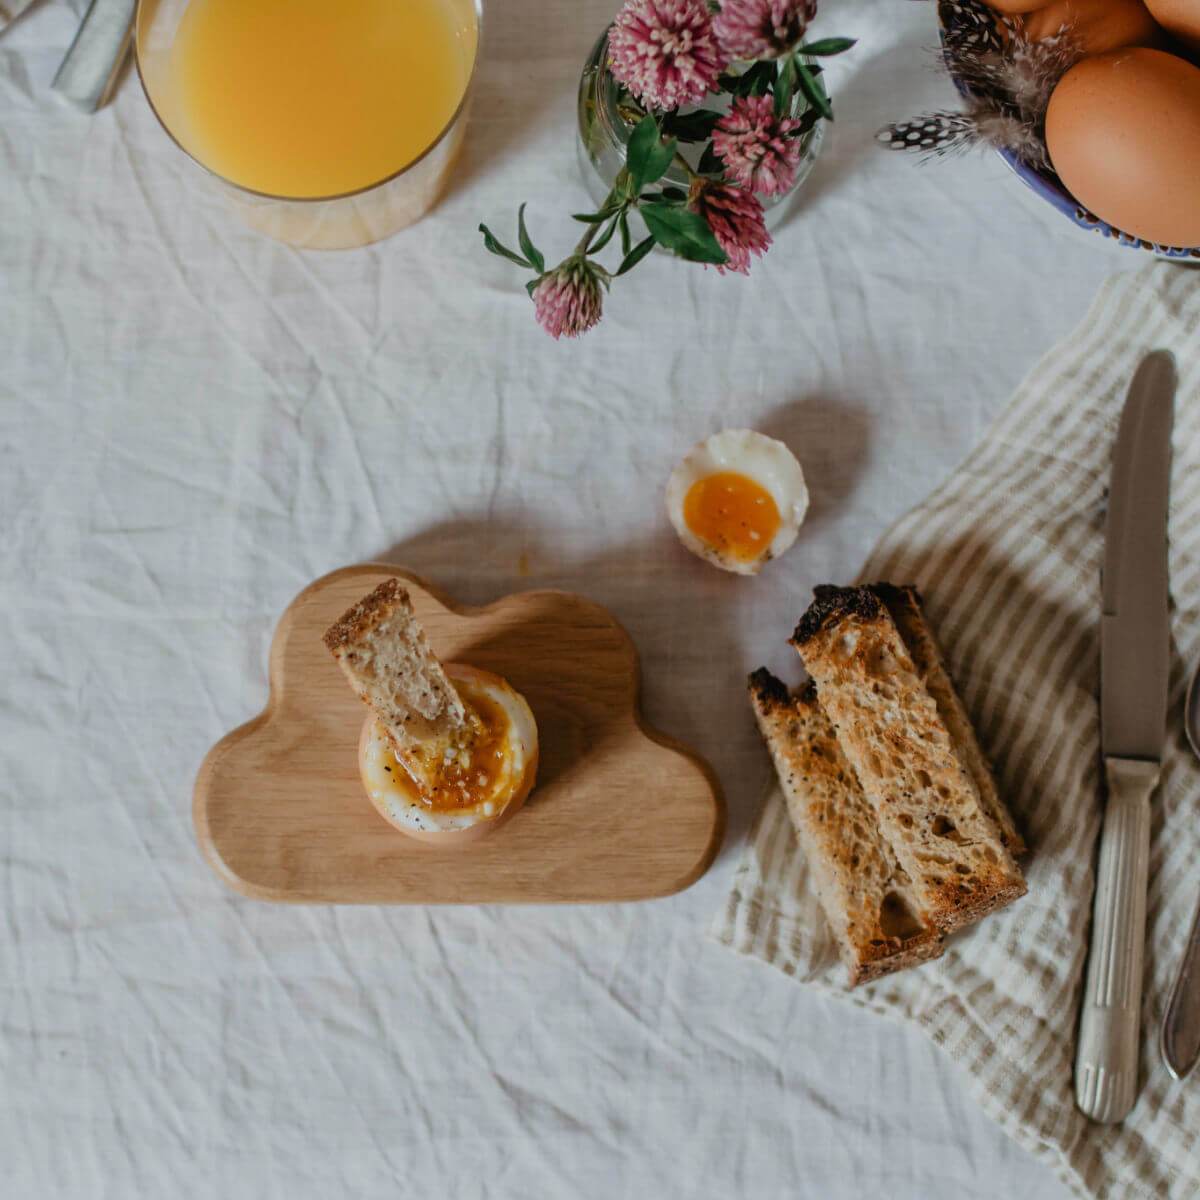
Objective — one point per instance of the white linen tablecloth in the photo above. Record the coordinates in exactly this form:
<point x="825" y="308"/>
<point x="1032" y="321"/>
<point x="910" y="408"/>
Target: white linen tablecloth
<point x="195" y="422"/>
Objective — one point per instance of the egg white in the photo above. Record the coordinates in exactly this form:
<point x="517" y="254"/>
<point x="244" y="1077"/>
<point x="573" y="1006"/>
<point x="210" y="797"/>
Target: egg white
<point x="395" y="796"/>
<point x="763" y="459"/>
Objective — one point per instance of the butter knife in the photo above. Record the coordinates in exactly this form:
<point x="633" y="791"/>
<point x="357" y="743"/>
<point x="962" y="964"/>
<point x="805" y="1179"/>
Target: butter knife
<point x="1134" y="664"/>
<point x="93" y="63"/>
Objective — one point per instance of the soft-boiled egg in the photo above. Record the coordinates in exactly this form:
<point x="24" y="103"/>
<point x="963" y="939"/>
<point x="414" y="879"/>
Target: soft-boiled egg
<point x="480" y="783"/>
<point x="737" y="500"/>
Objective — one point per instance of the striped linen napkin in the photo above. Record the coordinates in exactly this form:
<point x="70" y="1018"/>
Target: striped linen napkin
<point x="1007" y="554"/>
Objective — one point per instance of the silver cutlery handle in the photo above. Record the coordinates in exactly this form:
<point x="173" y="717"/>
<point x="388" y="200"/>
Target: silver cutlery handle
<point x="91" y="65"/>
<point x="1106" y="1059"/>
<point x="1181" y="1025"/>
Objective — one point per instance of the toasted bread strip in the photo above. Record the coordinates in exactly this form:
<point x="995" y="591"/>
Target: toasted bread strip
<point x="876" y="917"/>
<point x="890" y="729"/>
<point x="904" y="605"/>
<point x="384" y="653"/>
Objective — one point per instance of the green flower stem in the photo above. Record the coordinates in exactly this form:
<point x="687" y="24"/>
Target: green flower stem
<point x="617" y="201"/>
<point x="687" y="167"/>
<point x="581" y="246"/>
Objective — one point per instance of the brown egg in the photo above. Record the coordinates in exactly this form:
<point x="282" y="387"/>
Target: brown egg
<point x="1099" y="25"/>
<point x="1123" y="132"/>
<point x="1013" y="7"/>
<point x="1181" y="18"/>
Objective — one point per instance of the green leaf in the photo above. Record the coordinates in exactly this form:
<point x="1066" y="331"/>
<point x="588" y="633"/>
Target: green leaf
<point x="591" y="218"/>
<point x="785" y="85"/>
<point x="808" y="119"/>
<point x="682" y="231"/>
<point x="604" y="238"/>
<point x="754" y="81"/>
<point x="497" y="247"/>
<point x="814" y="91"/>
<point x="531" y="286"/>
<point x="531" y="252"/>
<point x="674" y="194"/>
<point x="635" y="256"/>
<point x="824" y="47"/>
<point x="626" y="236"/>
<point x="691" y="127"/>
<point x="711" y="163"/>
<point x="648" y="155"/>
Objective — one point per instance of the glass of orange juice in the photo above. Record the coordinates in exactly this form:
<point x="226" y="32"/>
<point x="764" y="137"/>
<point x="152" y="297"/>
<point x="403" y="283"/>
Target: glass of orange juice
<point x="330" y="123"/>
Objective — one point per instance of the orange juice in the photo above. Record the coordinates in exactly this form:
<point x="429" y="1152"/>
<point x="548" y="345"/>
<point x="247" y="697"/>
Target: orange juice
<point x="308" y="98"/>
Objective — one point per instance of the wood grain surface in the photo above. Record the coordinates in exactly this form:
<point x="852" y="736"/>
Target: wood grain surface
<point x="620" y="812"/>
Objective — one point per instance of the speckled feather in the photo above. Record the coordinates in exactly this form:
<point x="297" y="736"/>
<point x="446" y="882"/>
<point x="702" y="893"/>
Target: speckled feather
<point x="1006" y="79"/>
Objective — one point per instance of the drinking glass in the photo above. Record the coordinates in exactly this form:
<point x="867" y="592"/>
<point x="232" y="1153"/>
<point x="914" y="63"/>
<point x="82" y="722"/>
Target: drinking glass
<point x="350" y="219"/>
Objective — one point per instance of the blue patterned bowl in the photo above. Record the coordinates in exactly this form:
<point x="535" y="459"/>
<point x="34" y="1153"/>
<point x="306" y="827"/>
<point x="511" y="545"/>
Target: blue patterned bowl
<point x="954" y="17"/>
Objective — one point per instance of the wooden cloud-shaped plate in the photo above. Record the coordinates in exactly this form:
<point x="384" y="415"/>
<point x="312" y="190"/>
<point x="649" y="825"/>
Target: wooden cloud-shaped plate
<point x="620" y="812"/>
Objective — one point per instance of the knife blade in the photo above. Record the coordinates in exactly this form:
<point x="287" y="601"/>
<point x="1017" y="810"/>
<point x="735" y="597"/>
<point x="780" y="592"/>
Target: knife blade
<point x="1134" y="670"/>
<point x="1134" y="625"/>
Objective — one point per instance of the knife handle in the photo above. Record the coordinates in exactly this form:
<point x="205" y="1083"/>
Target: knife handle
<point x="90" y="69"/>
<point x="1106" y="1059"/>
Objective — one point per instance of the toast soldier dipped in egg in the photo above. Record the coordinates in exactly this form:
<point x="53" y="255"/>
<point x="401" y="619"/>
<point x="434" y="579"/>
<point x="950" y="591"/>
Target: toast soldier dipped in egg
<point x="447" y="752"/>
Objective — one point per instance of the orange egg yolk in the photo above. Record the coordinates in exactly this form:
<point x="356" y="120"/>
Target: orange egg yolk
<point x="733" y="514"/>
<point x="468" y="775"/>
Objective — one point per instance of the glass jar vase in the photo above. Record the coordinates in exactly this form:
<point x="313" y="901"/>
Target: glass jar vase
<point x="604" y="133"/>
